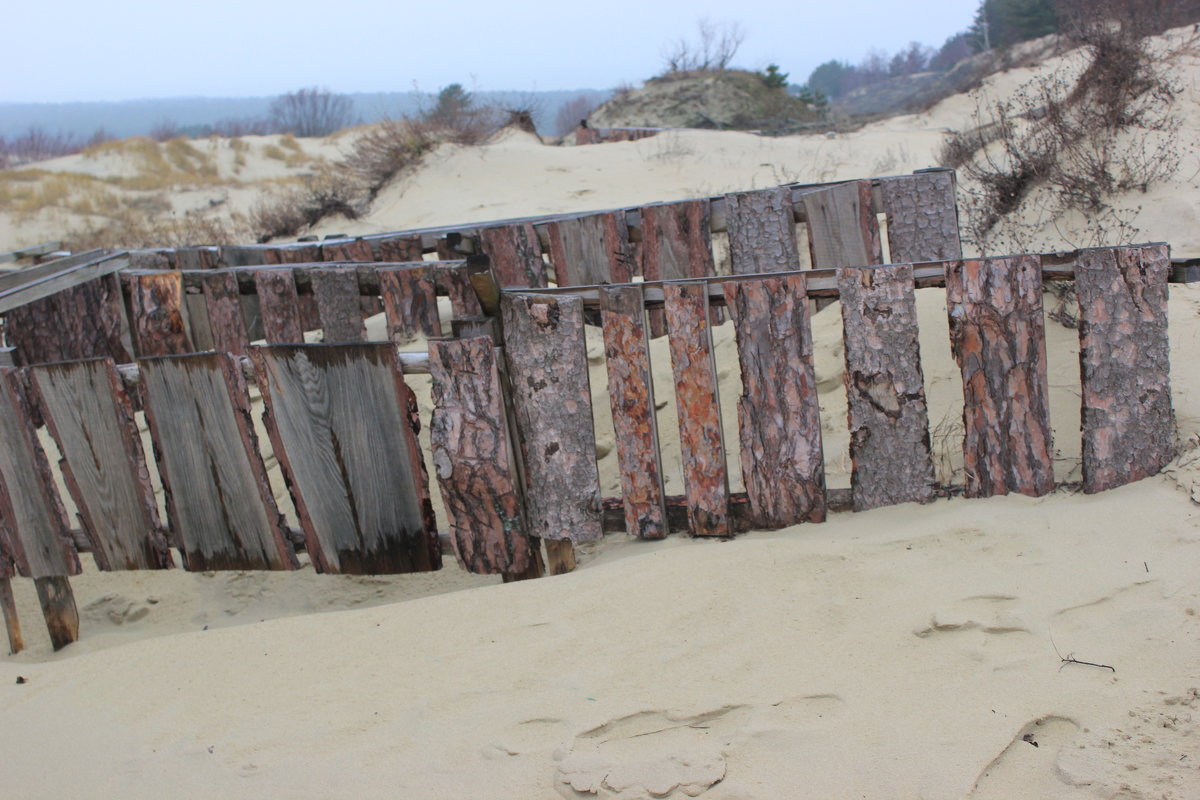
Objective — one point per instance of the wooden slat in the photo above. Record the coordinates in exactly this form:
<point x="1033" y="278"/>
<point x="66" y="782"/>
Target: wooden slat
<point x="631" y="394"/>
<point x="347" y="250"/>
<point x="922" y="217"/>
<point x="88" y="413"/>
<point x="336" y="292"/>
<point x="226" y="324"/>
<point x="219" y="500"/>
<point x="701" y="440"/>
<point x="32" y="520"/>
<point x="552" y="400"/>
<point x="338" y="419"/>
<point x="399" y="248"/>
<point x="473" y="459"/>
<point x="998" y="339"/>
<point x="676" y="244"/>
<point x="516" y="255"/>
<point x="156" y="301"/>
<point x="409" y="303"/>
<point x="1128" y="422"/>
<point x="842" y="229"/>
<point x="779" y="419"/>
<point x="591" y="250"/>
<point x="205" y="257"/>
<point x="279" y="306"/>
<point x="84" y="321"/>
<point x="889" y="419"/>
<point x="293" y="254"/>
<point x="762" y="231"/>
<point x="457" y="286"/>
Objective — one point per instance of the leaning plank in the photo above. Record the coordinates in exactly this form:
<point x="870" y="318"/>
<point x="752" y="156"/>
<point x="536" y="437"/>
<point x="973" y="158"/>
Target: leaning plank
<point x="91" y="419"/>
<point x="8" y="607"/>
<point x="226" y="324"/>
<point x="219" y="501"/>
<point x="338" y="421"/>
<point x="701" y="441"/>
<point x="762" y="231"/>
<point x="336" y="292"/>
<point x="779" y="420"/>
<point x="922" y="217"/>
<point x="472" y="458"/>
<point x="59" y="609"/>
<point x="84" y="321"/>
<point x="885" y="388"/>
<point x="279" y="306"/>
<point x="1128" y="422"/>
<point x="516" y="255"/>
<point x="842" y="229"/>
<point x="591" y="250"/>
<point x="32" y="519"/>
<point x="998" y="339"/>
<point x="409" y="303"/>
<point x="631" y="394"/>
<point x="156" y="300"/>
<point x="552" y="400"/>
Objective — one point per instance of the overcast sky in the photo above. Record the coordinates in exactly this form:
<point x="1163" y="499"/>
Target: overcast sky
<point x="68" y="50"/>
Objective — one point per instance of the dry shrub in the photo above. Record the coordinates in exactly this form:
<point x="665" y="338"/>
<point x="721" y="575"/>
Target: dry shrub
<point x="387" y="149"/>
<point x="137" y="228"/>
<point x="288" y="211"/>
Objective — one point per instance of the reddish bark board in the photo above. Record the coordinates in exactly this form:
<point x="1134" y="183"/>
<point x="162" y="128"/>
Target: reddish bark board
<point x="457" y="286"/>
<point x="337" y="293"/>
<point x="473" y="459"/>
<point x="552" y="400"/>
<point x="631" y="394"/>
<point x="922" y="217"/>
<point x="516" y="255"/>
<point x="279" y="306"/>
<point x="84" y="321"/>
<point x="701" y="440"/>
<point x="347" y="250"/>
<point x="409" y="303"/>
<point x="677" y="244"/>
<point x="762" y="231"/>
<point x="305" y="254"/>
<point x="779" y="419"/>
<point x="998" y="339"/>
<point x="338" y="417"/>
<point x="226" y="324"/>
<point x="1128" y="422"/>
<point x="842" y="229"/>
<point x="158" y="322"/>
<point x="591" y="250"/>
<point x="400" y="248"/>
<point x="885" y="388"/>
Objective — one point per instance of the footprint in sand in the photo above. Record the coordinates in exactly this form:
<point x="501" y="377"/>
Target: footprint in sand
<point x="1000" y="634"/>
<point x="1028" y="761"/>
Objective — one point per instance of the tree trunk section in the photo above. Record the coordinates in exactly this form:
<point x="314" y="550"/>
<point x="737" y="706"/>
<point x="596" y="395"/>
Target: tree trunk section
<point x="347" y="250"/>
<point x="400" y="249"/>
<point x="454" y="282"/>
<point x="84" y="321"/>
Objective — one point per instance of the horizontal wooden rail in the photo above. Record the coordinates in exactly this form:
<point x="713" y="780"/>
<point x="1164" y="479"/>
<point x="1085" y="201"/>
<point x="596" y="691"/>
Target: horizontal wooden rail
<point x="34" y="250"/>
<point x="24" y="286"/>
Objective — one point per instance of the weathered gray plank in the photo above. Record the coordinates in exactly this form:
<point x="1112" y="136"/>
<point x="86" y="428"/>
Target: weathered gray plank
<point x="219" y="501"/>
<point x="676" y="243"/>
<point x="842" y="229"/>
<point x="591" y="250"/>
<point x="336" y="292"/>
<point x="279" y="306"/>
<point x="762" y="231"/>
<point x="226" y="324"/>
<point x="409" y="303"/>
<point x="922" y="217"/>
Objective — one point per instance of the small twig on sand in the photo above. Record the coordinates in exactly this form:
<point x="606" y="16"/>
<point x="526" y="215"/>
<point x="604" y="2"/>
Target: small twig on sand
<point x="1070" y="658"/>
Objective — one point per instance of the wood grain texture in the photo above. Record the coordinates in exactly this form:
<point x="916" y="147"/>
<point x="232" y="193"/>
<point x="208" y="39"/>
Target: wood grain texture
<point x="92" y="421"/>
<point x="842" y="229"/>
<point x="552" y="401"/>
<point x="279" y="306"/>
<point x="516" y="255"/>
<point x="1128" y="422"/>
<point x="84" y="321"/>
<point x="219" y="501"/>
<point x="338" y="419"/>
<point x="762" y="231"/>
<point x="779" y="419"/>
<point x="203" y="257"/>
<point x="473" y="459"/>
<point x="59" y="609"/>
<point x="677" y="244"/>
<point x="33" y="522"/>
<point x="457" y="286"/>
<point x="409" y="303"/>
<point x="226" y="325"/>
<point x="701" y="440"/>
<point x="400" y="248"/>
<point x="998" y="339"/>
<point x="336" y="292"/>
<point x="156" y="301"/>
<point x="591" y="250"/>
<point x="922" y="217"/>
<point x="631" y="394"/>
<point x="885" y="388"/>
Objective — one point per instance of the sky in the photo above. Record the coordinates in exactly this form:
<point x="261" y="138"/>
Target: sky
<point x="81" y="50"/>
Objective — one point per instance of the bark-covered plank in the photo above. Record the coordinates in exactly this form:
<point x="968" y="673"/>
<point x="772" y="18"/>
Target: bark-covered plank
<point x="516" y="255"/>
<point x="885" y="388"/>
<point x="474" y="460"/>
<point x="337" y="293"/>
<point x="396" y="249"/>
<point x="338" y="417"/>
<point x="701" y="440"/>
<point x="922" y="217"/>
<point x="842" y="229"/>
<point x="455" y="282"/>
<point x="303" y="254"/>
<point x="631" y="395"/>
<point x="156" y="300"/>
<point x="1128" y="423"/>
<point x="347" y="250"/>
<point x="591" y="250"/>
<point x="92" y="421"/>
<point x="409" y="303"/>
<point x="226" y="324"/>
<point x="552" y="400"/>
<point x="762" y="231"/>
<point x="32" y="520"/>
<point x="84" y="321"/>
<point x="219" y="501"/>
<point x="998" y="339"/>
<point x="279" y="306"/>
<point x="779" y="419"/>
<point x="676" y="244"/>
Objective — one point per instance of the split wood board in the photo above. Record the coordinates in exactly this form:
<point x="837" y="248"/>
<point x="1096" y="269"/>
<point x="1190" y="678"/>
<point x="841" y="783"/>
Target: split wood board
<point x="409" y="303"/>
<point x="337" y="295"/>
<point x="516" y="255"/>
<point x="762" y="231"/>
<point x="84" y="321"/>
<point x="842" y="229"/>
<point x="922" y="217"/>
<point x="159" y="324"/>
<point x="226" y="325"/>
<point x="399" y="248"/>
<point x="279" y="306"/>
<point x="591" y="250"/>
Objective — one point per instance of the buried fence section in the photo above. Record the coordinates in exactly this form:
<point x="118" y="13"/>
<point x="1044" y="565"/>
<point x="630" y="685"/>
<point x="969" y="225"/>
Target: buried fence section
<point x="762" y="231"/>
<point x="343" y="426"/>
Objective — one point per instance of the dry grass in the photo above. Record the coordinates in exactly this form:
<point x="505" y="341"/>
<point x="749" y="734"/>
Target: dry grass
<point x="288" y="210"/>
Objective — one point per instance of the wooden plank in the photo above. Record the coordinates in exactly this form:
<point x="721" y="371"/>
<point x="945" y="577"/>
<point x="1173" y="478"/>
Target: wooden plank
<point x="395" y="249"/>
<point x="1128" y="423"/>
<point x="347" y="250"/>
<point x="676" y="244"/>
<point x="279" y="306"/>
<point x="293" y="254"/>
<point x="591" y="250"/>
<point x="8" y="607"/>
<point x="58" y="607"/>
<point x="83" y="321"/>
<point x="552" y="400"/>
<point x="779" y="419"/>
<point x="42" y="249"/>
<point x="338" y="417"/>
<point x="701" y="441"/>
<point x="473" y="458"/>
<point x="922" y="216"/>
<point x="336" y="293"/>
<point x="631" y="394"/>
<point x="226" y="324"/>
<point x="25" y="276"/>
<point x="885" y="388"/>
<point x="33" y="522"/>
<point x="204" y="257"/>
<point x="762" y="231"/>
<point x="156" y="301"/>
<point x="91" y="419"/>
<point x="219" y="501"/>
<point x="57" y="281"/>
<point x="409" y="303"/>
<point x="455" y="282"/>
<point x="998" y="339"/>
<point x="516" y="255"/>
<point x="842" y="229"/>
